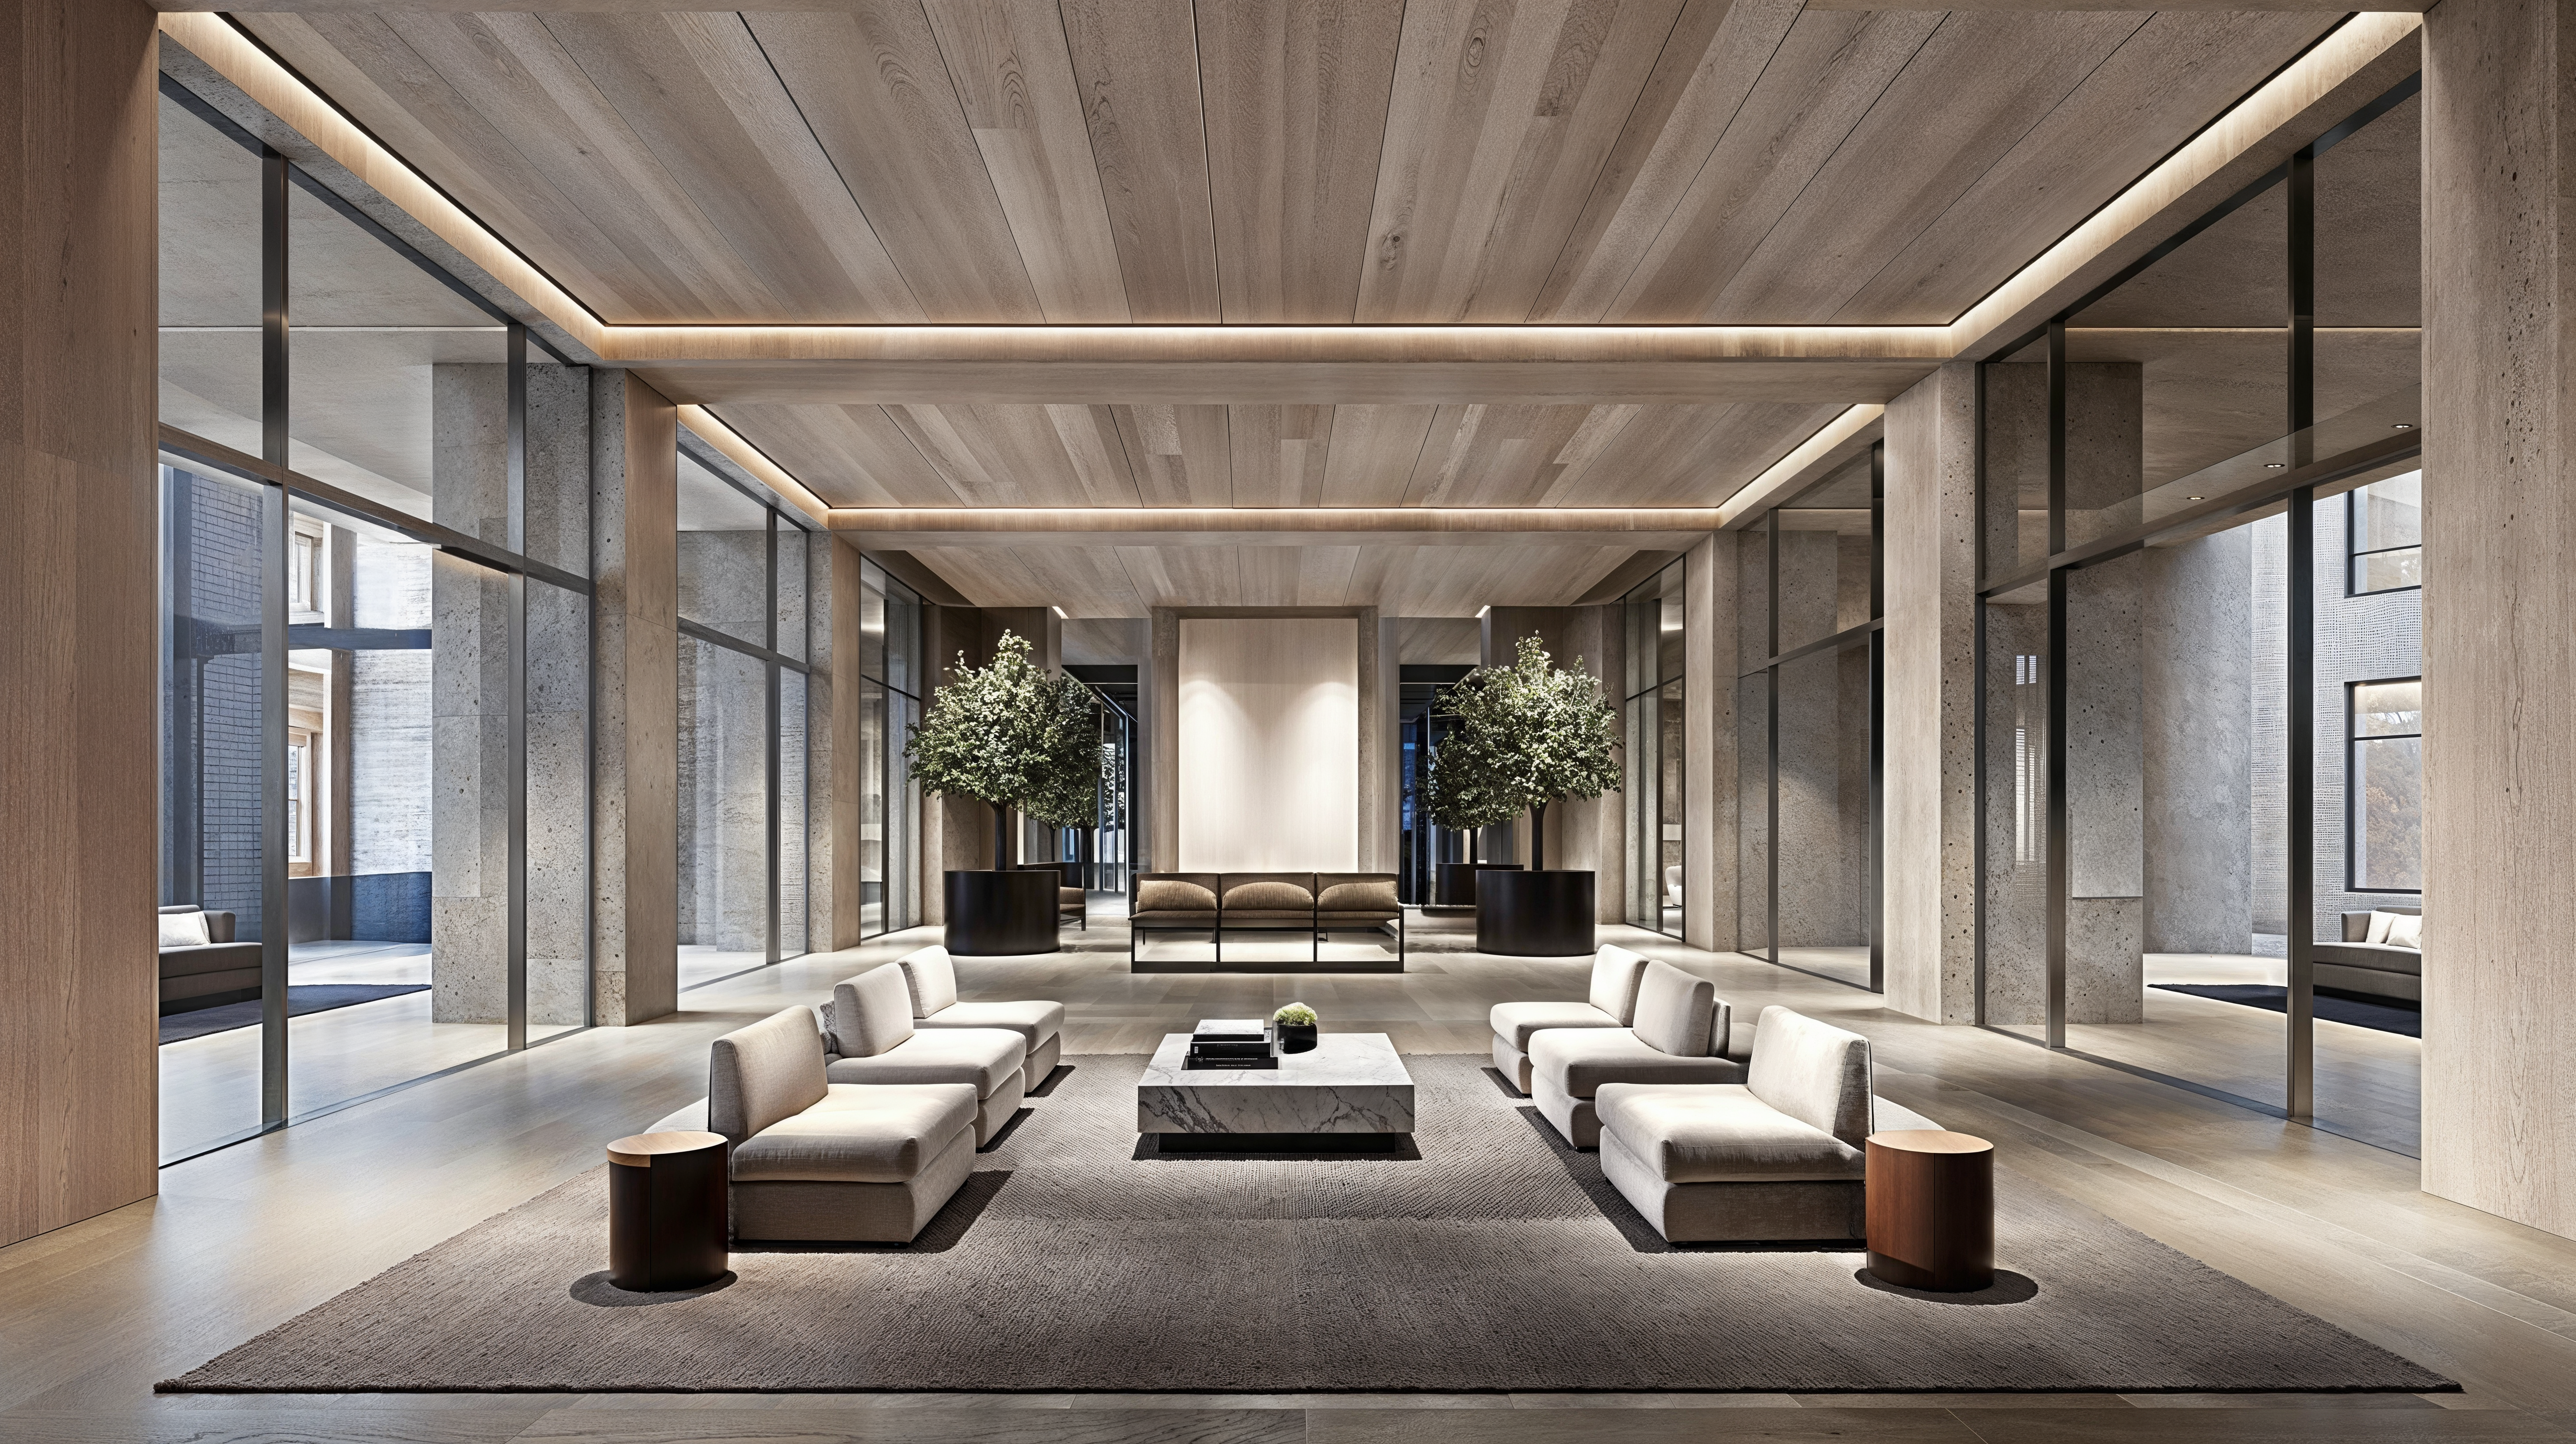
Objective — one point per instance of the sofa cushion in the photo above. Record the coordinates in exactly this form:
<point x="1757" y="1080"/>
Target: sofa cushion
<point x="1579" y="1060"/>
<point x="2406" y="932"/>
<point x="1193" y="894"/>
<point x="1615" y="974"/>
<point x="1515" y="1023"/>
<point x="985" y="1057"/>
<point x="1675" y="1012"/>
<point x="859" y="1134"/>
<point x="1035" y="1020"/>
<point x="871" y="1013"/>
<point x="763" y="1073"/>
<point x="184" y="928"/>
<point x="931" y="977"/>
<point x="1721" y="1134"/>
<point x="1356" y="892"/>
<point x="2381" y="956"/>
<point x="1814" y="1072"/>
<point x="1260" y="892"/>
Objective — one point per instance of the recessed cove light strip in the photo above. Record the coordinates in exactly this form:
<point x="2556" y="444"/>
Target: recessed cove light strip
<point x="752" y="459"/>
<point x="1763" y="491"/>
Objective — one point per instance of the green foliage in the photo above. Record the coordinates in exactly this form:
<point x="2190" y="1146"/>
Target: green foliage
<point x="1527" y="735"/>
<point x="1013" y="736"/>
<point x="1295" y="1015"/>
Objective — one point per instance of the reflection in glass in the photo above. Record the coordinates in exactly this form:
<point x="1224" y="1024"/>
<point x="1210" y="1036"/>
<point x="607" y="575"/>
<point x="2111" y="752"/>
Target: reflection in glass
<point x="2387" y="799"/>
<point x="2387" y="522"/>
<point x="1824" y="814"/>
<point x="723" y="864"/>
<point x="795" y="895"/>
<point x="724" y="555"/>
<point x="210" y="281"/>
<point x="1825" y="557"/>
<point x="2016" y="810"/>
<point x="211" y="720"/>
<point x="1654" y="755"/>
<point x="1753" y="813"/>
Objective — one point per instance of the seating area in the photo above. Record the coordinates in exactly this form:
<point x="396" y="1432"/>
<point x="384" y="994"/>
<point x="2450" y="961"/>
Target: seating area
<point x="1316" y="904"/>
<point x="201" y="964"/>
<point x="2381" y="954"/>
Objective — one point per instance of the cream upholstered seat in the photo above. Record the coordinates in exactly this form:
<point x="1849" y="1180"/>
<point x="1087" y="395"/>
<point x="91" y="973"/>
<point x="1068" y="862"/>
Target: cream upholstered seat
<point x="813" y="1160"/>
<point x="1776" y="1158"/>
<point x="931" y="975"/>
<point x="1612" y="1003"/>
<point x="1678" y="1035"/>
<point x="873" y="1041"/>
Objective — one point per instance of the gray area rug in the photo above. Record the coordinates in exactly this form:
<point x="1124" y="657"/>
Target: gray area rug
<point x="1077" y="1259"/>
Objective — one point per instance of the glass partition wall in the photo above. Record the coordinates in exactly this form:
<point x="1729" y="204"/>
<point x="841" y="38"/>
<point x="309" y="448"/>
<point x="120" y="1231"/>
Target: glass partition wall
<point x="754" y="722"/>
<point x="890" y="687"/>
<point x="1810" y="670"/>
<point x="375" y="655"/>
<point x="2199" y="640"/>
<point x="1652" y="721"/>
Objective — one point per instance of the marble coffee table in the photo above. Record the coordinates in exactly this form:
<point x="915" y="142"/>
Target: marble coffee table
<point x="1351" y="1083"/>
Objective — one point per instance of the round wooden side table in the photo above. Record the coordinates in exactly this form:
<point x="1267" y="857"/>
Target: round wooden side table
<point x="667" y="1211"/>
<point x="1931" y="1202"/>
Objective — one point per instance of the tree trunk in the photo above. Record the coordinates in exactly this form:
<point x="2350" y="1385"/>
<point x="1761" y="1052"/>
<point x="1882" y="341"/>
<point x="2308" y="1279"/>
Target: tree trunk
<point x="1538" y="837"/>
<point x="1001" y="838"/>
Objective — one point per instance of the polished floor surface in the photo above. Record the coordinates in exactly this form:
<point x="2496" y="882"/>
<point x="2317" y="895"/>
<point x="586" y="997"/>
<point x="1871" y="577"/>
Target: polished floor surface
<point x="249" y="1236"/>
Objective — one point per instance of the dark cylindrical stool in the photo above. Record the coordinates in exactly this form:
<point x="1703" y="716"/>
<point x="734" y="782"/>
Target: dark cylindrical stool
<point x="667" y="1214"/>
<point x="1931" y="1210"/>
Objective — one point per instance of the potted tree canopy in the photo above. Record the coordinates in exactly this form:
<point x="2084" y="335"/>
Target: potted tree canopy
<point x="1528" y="735"/>
<point x="1010" y="736"/>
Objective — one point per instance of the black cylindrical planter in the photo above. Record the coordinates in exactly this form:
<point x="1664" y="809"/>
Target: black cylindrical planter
<point x="1297" y="1037"/>
<point x="1534" y="914"/>
<point x="1001" y="914"/>
<point x="1456" y="884"/>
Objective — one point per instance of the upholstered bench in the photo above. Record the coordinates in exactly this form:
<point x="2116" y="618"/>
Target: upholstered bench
<point x="873" y="1040"/>
<point x="1777" y="1158"/>
<point x="932" y="978"/>
<point x="814" y="1160"/>
<point x="1612" y="1003"/>
<point x="1678" y="1035"/>
<point x="1293" y="902"/>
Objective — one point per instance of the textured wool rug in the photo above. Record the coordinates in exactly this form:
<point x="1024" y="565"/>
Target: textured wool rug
<point x="1079" y="1259"/>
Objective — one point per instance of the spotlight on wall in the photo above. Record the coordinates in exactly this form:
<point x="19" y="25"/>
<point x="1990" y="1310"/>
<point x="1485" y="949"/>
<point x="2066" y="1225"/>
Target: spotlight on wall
<point x="1059" y="611"/>
<point x="2274" y="465"/>
<point x="2403" y="426"/>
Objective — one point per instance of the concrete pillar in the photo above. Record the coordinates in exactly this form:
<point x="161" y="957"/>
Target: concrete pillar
<point x="2499" y="1129"/>
<point x="78" y="826"/>
<point x="1928" y="891"/>
<point x="635" y="966"/>
<point x="469" y="823"/>
<point x="558" y="693"/>
<point x="840" y="789"/>
<point x="2196" y="685"/>
<point x="1709" y="774"/>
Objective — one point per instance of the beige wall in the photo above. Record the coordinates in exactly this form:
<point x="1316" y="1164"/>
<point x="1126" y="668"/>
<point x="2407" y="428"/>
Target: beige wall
<point x="1270" y="726"/>
<point x="78" y="842"/>
<point x="1929" y="789"/>
<point x="2499" y="1129"/>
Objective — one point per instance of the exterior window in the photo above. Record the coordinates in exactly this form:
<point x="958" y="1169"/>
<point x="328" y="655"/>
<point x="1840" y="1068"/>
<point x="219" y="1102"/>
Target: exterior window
<point x="2385" y="797"/>
<point x="2387" y="535"/>
<point x="304" y="570"/>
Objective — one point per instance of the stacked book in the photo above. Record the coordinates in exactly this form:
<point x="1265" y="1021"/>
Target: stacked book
<point x="1230" y="1043"/>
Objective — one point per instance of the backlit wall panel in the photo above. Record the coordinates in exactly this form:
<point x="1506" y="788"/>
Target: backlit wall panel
<point x="1269" y="741"/>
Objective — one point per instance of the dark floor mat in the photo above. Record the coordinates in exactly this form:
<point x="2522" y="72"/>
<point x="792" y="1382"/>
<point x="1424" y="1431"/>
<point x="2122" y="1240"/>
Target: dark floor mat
<point x="2334" y="1008"/>
<point x="300" y="1000"/>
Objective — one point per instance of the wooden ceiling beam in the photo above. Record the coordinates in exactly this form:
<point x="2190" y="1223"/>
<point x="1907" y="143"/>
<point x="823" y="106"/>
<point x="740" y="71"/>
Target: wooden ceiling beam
<point x="1663" y="528"/>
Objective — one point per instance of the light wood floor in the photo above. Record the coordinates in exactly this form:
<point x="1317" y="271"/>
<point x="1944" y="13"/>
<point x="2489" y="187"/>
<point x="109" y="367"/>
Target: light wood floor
<point x="247" y="1237"/>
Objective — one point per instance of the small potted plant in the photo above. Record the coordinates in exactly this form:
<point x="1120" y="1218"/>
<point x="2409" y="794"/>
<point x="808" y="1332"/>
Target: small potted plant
<point x="1296" y="1028"/>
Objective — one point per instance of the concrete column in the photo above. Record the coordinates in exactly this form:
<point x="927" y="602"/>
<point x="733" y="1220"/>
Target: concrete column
<point x="469" y="823"/>
<point x="839" y="918"/>
<point x="814" y="771"/>
<point x="1709" y="588"/>
<point x="635" y="966"/>
<point x="1928" y="892"/>
<point x="558" y="692"/>
<point x="78" y="829"/>
<point x="2499" y="1128"/>
<point x="2196" y="683"/>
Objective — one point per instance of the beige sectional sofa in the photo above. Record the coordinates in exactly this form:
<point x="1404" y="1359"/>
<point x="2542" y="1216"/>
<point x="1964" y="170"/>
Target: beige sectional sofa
<point x="931" y="976"/>
<point x="2357" y="965"/>
<point x="1611" y="1003"/>
<point x="873" y="1040"/>
<point x="1678" y="1034"/>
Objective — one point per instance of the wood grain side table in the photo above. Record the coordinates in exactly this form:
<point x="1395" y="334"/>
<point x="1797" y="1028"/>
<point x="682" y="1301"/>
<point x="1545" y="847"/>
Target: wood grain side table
<point x="668" y="1215"/>
<point x="1931" y="1203"/>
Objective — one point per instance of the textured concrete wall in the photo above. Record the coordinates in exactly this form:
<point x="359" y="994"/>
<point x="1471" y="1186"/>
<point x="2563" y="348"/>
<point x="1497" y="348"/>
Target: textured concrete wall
<point x="469" y="701"/>
<point x="1710" y="777"/>
<point x="1929" y="887"/>
<point x="2016" y="871"/>
<point x="722" y="758"/>
<point x="2196" y="683"/>
<point x="558" y="696"/>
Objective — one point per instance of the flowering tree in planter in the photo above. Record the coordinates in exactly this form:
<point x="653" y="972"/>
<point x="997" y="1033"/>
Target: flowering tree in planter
<point x="1527" y="734"/>
<point x="1009" y="735"/>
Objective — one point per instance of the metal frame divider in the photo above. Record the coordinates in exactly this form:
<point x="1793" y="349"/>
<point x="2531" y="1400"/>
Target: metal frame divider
<point x="274" y="435"/>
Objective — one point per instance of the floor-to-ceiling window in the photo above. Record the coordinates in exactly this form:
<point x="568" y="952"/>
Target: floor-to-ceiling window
<point x="1102" y="857"/>
<point x="891" y="681"/>
<point x="1651" y="724"/>
<point x="1809" y="672"/>
<point x="1422" y="725"/>
<point x="754" y="582"/>
<point x="376" y="656"/>
<point x="2200" y="633"/>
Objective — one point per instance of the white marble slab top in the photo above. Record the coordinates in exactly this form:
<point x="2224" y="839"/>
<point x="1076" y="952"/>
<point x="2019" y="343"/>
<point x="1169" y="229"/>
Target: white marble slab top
<point x="1338" y="1060"/>
<point x="1230" y="1027"/>
<point x="1348" y="1083"/>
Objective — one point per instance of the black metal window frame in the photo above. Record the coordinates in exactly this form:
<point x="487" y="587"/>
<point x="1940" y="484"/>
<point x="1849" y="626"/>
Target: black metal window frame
<point x="2302" y="480"/>
<point x="778" y="519"/>
<point x="280" y="487"/>
<point x="2352" y="809"/>
<point x="2352" y="554"/>
<point x="1871" y="634"/>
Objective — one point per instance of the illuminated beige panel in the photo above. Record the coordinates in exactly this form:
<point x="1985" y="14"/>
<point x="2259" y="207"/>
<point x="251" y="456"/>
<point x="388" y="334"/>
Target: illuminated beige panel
<point x="1269" y="744"/>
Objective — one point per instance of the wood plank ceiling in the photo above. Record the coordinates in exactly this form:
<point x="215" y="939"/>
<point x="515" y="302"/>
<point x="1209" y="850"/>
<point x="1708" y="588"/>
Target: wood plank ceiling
<point x="1302" y="161"/>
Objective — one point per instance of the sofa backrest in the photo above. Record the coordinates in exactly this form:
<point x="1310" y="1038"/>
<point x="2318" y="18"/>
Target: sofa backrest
<point x="1615" y="975"/>
<point x="1174" y="892"/>
<point x="1814" y="1072"/>
<point x="1356" y="892"/>
<point x="766" y="1072"/>
<point x="871" y="1013"/>
<point x="932" y="978"/>
<point x="1679" y="1014"/>
<point x="2356" y="926"/>
<point x="219" y="925"/>
<point x="1267" y="892"/>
